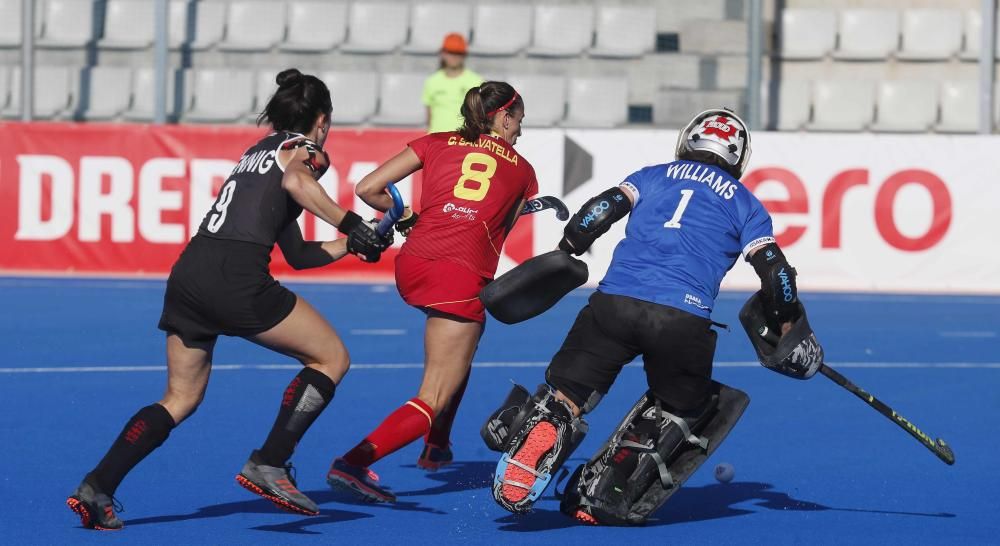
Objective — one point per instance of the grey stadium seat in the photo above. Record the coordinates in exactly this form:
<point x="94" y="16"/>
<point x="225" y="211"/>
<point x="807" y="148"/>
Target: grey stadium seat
<point x="400" y="102"/>
<point x="906" y="106"/>
<point x="794" y="104"/>
<point x="128" y="24"/>
<point x="959" y="107"/>
<point x="431" y="21"/>
<point x="109" y="92"/>
<point x="209" y="24"/>
<point x="67" y="24"/>
<point x="544" y="98"/>
<point x="376" y="27"/>
<point x="807" y="34"/>
<point x="219" y="95"/>
<point x="5" y="84"/>
<point x="264" y="86"/>
<point x="53" y="93"/>
<point x="177" y="27"/>
<point x="562" y="30"/>
<point x="597" y="102"/>
<point x="254" y="25"/>
<point x="624" y="31"/>
<point x="842" y="105"/>
<point x="10" y="23"/>
<point x="973" y="30"/>
<point x="354" y="95"/>
<point x="867" y="34"/>
<point x="315" y="26"/>
<point x="489" y="38"/>
<point x="143" y="95"/>
<point x="931" y="34"/>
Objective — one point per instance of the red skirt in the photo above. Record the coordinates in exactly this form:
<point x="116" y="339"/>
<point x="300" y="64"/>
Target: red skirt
<point x="441" y="285"/>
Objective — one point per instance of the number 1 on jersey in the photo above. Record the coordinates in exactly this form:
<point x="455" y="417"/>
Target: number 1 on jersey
<point x="675" y="222"/>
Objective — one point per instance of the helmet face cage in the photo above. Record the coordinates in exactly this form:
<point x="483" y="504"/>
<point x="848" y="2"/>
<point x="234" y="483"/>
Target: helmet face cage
<point x="720" y="132"/>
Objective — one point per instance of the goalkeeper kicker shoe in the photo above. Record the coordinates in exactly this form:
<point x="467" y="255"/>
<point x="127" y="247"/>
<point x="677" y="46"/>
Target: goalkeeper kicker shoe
<point x="276" y="484"/>
<point x="434" y="457"/>
<point x="358" y="480"/>
<point x="96" y="509"/>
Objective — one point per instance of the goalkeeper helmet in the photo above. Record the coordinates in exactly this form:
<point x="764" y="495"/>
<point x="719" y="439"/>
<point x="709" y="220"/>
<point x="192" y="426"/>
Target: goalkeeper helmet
<point x="717" y="136"/>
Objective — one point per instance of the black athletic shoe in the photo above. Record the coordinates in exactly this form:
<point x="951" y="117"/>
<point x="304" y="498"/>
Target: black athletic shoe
<point x="96" y="510"/>
<point x="434" y="457"/>
<point x="359" y="480"/>
<point x="277" y="485"/>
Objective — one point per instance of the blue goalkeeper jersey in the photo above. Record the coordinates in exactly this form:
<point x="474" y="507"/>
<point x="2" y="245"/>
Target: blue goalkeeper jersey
<point x="689" y="223"/>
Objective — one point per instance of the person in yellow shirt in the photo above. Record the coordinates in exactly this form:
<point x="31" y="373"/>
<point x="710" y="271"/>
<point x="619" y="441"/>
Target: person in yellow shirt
<point x="445" y="89"/>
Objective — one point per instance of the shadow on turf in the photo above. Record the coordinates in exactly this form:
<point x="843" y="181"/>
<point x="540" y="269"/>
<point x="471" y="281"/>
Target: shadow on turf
<point x="261" y="506"/>
<point x="458" y="476"/>
<point x="699" y="504"/>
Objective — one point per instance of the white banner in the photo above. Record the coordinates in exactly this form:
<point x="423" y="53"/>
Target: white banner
<point x="895" y="213"/>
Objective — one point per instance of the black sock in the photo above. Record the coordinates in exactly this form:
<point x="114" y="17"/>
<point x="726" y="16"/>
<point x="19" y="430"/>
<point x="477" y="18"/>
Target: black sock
<point x="305" y="398"/>
<point x="143" y="433"/>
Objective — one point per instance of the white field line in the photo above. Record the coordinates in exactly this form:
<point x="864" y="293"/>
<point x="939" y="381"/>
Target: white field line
<point x="527" y="364"/>
<point x="378" y="332"/>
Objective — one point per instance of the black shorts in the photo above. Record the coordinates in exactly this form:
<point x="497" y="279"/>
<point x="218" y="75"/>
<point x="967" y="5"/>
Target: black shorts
<point x="677" y="349"/>
<point x="220" y="286"/>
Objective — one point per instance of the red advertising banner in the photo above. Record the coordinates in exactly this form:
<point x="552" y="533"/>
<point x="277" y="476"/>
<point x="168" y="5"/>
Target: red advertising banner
<point x="124" y="199"/>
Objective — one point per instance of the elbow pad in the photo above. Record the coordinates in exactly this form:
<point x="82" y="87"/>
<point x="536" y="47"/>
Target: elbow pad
<point x="594" y="219"/>
<point x="777" y="283"/>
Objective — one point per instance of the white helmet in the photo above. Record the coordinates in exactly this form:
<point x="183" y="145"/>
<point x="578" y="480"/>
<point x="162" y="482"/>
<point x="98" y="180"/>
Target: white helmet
<point x="719" y="132"/>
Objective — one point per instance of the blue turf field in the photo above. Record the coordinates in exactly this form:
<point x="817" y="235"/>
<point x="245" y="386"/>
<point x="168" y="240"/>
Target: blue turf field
<point x="813" y="464"/>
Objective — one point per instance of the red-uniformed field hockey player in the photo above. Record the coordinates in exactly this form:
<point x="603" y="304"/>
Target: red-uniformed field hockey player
<point x="474" y="185"/>
<point x="221" y="285"/>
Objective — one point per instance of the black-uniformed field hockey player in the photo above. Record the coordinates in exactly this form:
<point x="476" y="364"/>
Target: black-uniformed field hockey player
<point x="221" y="285"/>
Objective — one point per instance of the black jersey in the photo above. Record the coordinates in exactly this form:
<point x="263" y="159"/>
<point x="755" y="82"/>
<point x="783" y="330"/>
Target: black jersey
<point x="252" y="206"/>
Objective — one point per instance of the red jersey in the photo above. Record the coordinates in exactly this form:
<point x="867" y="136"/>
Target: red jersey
<point x="469" y="201"/>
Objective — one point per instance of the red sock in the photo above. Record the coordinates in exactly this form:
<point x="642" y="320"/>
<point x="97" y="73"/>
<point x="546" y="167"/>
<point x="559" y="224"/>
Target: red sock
<point x="411" y="421"/>
<point x="440" y="434"/>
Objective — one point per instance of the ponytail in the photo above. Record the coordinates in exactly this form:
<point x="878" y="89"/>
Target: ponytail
<point x="483" y="103"/>
<point x="300" y="98"/>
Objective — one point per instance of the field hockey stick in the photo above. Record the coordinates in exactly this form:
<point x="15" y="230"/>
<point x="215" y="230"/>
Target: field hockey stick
<point x="393" y="214"/>
<point x="546" y="202"/>
<point x="938" y="447"/>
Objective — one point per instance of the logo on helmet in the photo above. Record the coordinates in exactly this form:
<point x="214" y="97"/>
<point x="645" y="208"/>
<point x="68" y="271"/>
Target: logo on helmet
<point x="718" y="127"/>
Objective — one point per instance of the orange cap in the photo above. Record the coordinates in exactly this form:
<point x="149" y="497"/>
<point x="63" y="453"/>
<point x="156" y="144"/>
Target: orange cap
<point x="455" y="43"/>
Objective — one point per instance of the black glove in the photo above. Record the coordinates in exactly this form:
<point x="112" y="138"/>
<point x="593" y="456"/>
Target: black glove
<point x="406" y="224"/>
<point x="362" y="239"/>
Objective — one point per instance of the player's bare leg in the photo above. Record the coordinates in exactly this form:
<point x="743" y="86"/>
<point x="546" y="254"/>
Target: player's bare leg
<point x="306" y="336"/>
<point x="188" y="368"/>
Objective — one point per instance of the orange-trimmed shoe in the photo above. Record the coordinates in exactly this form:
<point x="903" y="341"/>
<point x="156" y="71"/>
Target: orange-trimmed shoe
<point x="359" y="480"/>
<point x="277" y="485"/>
<point x="433" y="457"/>
<point x="96" y="509"/>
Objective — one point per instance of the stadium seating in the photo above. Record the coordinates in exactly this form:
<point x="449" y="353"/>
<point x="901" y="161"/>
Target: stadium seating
<point x="128" y="24"/>
<point x="108" y="92"/>
<point x="254" y="25"/>
<point x="177" y="28"/>
<point x="959" y="107"/>
<point x="905" y="106"/>
<point x="400" y="102"/>
<point x="431" y="21"/>
<point x="219" y="95"/>
<point x="315" y="26"/>
<point x="807" y="34"/>
<point x="972" y="25"/>
<point x="488" y="38"/>
<point x="54" y="95"/>
<point x="10" y="24"/>
<point x="842" y="105"/>
<point x="867" y="34"/>
<point x="544" y="98"/>
<point x="143" y="93"/>
<point x="794" y="103"/>
<point x="624" y="31"/>
<point x="931" y="34"/>
<point x="562" y="30"/>
<point x="67" y="24"/>
<point x="209" y="24"/>
<point x="5" y="85"/>
<point x="376" y="27"/>
<point x="355" y="96"/>
<point x="597" y="102"/>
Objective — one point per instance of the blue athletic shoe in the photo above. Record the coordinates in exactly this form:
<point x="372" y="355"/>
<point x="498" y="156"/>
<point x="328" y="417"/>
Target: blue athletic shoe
<point x="359" y="480"/>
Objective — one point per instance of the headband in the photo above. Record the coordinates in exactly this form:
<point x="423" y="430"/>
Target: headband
<point x="504" y="107"/>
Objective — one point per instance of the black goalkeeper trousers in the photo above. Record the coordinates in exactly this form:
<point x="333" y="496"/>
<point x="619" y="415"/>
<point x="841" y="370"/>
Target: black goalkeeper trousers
<point x="677" y="349"/>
